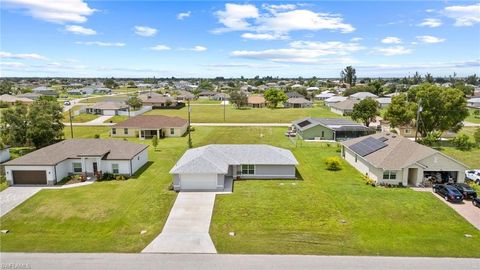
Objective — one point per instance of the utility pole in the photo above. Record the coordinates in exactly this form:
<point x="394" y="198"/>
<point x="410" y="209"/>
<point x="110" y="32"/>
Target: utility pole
<point x="71" y="125"/>
<point x="418" y="118"/>
<point x="189" y="135"/>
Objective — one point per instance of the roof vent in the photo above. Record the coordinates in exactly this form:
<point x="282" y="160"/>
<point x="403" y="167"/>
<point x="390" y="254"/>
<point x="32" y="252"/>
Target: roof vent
<point x="388" y="134"/>
<point x="393" y="136"/>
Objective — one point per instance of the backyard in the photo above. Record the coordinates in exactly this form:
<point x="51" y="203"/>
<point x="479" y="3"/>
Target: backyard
<point x="472" y="118"/>
<point x="324" y="212"/>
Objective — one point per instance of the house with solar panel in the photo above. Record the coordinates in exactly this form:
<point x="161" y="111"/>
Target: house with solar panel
<point x="388" y="158"/>
<point x="329" y="129"/>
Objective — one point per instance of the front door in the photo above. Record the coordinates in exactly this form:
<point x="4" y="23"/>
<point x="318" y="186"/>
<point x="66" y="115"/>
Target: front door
<point x="95" y="168"/>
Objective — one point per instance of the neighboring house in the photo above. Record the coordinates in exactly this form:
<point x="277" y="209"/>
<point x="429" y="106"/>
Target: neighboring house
<point x="6" y="98"/>
<point x="312" y="89"/>
<point x="81" y="91"/>
<point x="294" y="95"/>
<point x="32" y="96"/>
<point x="298" y="103"/>
<point x="4" y="153"/>
<point x="256" y="101"/>
<point x="333" y="100"/>
<point x="45" y="91"/>
<point x="102" y="90"/>
<point x="214" y="167"/>
<point x="106" y="108"/>
<point x="391" y="159"/>
<point x="363" y="95"/>
<point x="184" y="96"/>
<point x="474" y="102"/>
<point x="324" y="96"/>
<point x="51" y="164"/>
<point x="221" y="97"/>
<point x="384" y="101"/>
<point x="148" y="126"/>
<point x="409" y="131"/>
<point x="344" y="107"/>
<point x="206" y="94"/>
<point x="332" y="129"/>
<point x="158" y="101"/>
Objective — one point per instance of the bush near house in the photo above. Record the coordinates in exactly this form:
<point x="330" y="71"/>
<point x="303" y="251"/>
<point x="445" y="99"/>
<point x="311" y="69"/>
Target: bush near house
<point x="463" y="142"/>
<point x="333" y="163"/>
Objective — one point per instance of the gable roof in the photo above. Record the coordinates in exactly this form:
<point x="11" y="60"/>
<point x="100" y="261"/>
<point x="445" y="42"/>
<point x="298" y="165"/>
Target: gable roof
<point x="336" y="124"/>
<point x="298" y="101"/>
<point x="256" y="100"/>
<point x="294" y="94"/>
<point x="10" y="99"/>
<point x="109" y="149"/>
<point x="108" y="105"/>
<point x="398" y="153"/>
<point x="152" y="121"/>
<point x="215" y="158"/>
<point x="154" y="98"/>
<point x="347" y="104"/>
<point x="335" y="99"/>
<point x="362" y="95"/>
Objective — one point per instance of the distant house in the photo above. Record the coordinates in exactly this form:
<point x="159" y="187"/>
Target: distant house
<point x="298" y="103"/>
<point x="206" y="94"/>
<point x="332" y="129"/>
<point x="408" y="131"/>
<point x="148" y="126"/>
<point x="82" y="91"/>
<point x="9" y="99"/>
<point x="334" y="99"/>
<point x="474" y="102"/>
<point x="384" y="101"/>
<point x="51" y="164"/>
<point x="158" y="101"/>
<point x="184" y="96"/>
<point x="388" y="158"/>
<point x="45" y="91"/>
<point x="106" y="108"/>
<point x="102" y="90"/>
<point x="344" y="107"/>
<point x="32" y="96"/>
<point x="294" y="94"/>
<point x="4" y="153"/>
<point x="324" y="96"/>
<point x="221" y="96"/>
<point x="297" y="86"/>
<point x="256" y="101"/>
<point x="363" y="95"/>
<point x="312" y="89"/>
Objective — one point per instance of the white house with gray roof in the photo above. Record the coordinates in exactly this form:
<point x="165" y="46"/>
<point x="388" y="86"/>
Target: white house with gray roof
<point x="391" y="159"/>
<point x="214" y="167"/>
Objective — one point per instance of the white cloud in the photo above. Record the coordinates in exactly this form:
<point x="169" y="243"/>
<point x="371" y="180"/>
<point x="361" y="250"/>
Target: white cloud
<point x="101" y="44"/>
<point x="160" y="47"/>
<point x="431" y="22"/>
<point x="14" y="65"/>
<point x="27" y="56"/>
<point x="430" y="39"/>
<point x="57" y="11"/>
<point x="235" y="16"/>
<point x="263" y="36"/>
<point x="275" y="8"/>
<point x="80" y="30"/>
<point x="183" y="15"/>
<point x="198" y="49"/>
<point x="145" y="31"/>
<point x="390" y="51"/>
<point x="356" y="39"/>
<point x="391" y="40"/>
<point x="464" y="15"/>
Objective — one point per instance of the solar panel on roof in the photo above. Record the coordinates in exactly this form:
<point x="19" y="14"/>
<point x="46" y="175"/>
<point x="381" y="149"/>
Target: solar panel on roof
<point x="367" y="146"/>
<point x="304" y="123"/>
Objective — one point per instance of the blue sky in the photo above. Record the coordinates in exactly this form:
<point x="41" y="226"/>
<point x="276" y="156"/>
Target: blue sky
<point x="208" y="39"/>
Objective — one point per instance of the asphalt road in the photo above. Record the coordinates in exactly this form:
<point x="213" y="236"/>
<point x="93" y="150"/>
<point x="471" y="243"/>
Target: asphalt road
<point x="232" y="262"/>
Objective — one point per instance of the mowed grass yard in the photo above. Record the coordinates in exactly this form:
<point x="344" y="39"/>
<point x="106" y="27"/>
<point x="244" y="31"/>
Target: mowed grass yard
<point x="472" y="118"/>
<point x="471" y="157"/>
<point x="214" y="114"/>
<point x="323" y="213"/>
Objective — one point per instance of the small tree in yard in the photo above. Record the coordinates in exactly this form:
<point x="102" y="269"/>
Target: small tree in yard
<point x="365" y="111"/>
<point x="333" y="164"/>
<point x="135" y="102"/>
<point x="239" y="99"/>
<point x="274" y="96"/>
<point x="463" y="142"/>
<point x="155" y="142"/>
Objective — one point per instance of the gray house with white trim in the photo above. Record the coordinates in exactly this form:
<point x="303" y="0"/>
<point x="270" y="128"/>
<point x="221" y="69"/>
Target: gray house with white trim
<point x="214" y="167"/>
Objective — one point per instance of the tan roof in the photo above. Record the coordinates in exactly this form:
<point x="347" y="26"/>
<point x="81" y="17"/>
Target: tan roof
<point x="108" y="105"/>
<point x="256" y="100"/>
<point x="109" y="149"/>
<point x="298" y="101"/>
<point x="152" y="121"/>
<point x="346" y="104"/>
<point x="10" y="99"/>
<point x="154" y="98"/>
<point x="399" y="153"/>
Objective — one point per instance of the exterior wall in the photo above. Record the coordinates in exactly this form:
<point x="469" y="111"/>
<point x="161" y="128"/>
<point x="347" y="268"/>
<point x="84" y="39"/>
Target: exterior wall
<point x="4" y="155"/>
<point x="270" y="172"/>
<point x="139" y="160"/>
<point x="123" y="166"/>
<point x="316" y="131"/>
<point x="176" y="182"/>
<point x="131" y="132"/>
<point x="220" y="181"/>
<point x="109" y="112"/>
<point x="439" y="162"/>
<point x="335" y="110"/>
<point x="49" y="169"/>
<point x="178" y="131"/>
<point x="361" y="165"/>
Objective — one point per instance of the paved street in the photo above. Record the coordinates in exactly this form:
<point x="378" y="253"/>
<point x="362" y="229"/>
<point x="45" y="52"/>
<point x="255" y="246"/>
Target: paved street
<point x="40" y="261"/>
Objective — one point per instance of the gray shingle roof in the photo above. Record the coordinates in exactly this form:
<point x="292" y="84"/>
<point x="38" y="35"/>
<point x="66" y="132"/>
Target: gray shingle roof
<point x="331" y="123"/>
<point x="215" y="158"/>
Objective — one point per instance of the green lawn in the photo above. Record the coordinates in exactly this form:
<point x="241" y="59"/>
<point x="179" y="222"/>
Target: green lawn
<point x="80" y="132"/>
<point x="80" y="118"/>
<point x="205" y="101"/>
<point x="117" y="119"/>
<point x="324" y="213"/>
<point x="472" y="118"/>
<point x="214" y="114"/>
<point x="118" y="98"/>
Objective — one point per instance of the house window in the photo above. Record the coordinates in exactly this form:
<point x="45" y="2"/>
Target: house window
<point x="125" y="131"/>
<point x="114" y="168"/>
<point x="323" y="134"/>
<point x="248" y="169"/>
<point x="77" y="167"/>
<point x="172" y="131"/>
<point x="389" y="175"/>
<point x="114" y="131"/>
<point x="408" y="131"/>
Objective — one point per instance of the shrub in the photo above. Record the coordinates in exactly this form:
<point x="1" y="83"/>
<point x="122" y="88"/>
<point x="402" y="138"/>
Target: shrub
<point x="431" y="139"/>
<point x="463" y="142"/>
<point x="333" y="163"/>
<point x="368" y="180"/>
<point x="120" y="177"/>
<point x="96" y="136"/>
<point x="108" y="176"/>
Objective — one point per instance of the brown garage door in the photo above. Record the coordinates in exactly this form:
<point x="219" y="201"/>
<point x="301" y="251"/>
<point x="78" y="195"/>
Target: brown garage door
<point x="30" y="177"/>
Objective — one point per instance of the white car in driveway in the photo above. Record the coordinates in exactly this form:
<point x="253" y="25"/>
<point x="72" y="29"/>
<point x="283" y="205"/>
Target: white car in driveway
<point x="473" y="175"/>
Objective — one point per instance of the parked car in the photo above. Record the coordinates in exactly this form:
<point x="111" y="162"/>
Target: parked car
<point x="476" y="202"/>
<point x="473" y="175"/>
<point x="466" y="190"/>
<point x="67" y="103"/>
<point x="448" y="192"/>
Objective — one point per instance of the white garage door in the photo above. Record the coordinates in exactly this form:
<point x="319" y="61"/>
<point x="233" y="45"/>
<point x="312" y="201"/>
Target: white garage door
<point x="198" y="181"/>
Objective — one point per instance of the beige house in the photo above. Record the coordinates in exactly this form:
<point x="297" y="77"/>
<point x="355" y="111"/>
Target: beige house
<point x="256" y="101"/>
<point x="344" y="107"/>
<point x="391" y="159"/>
<point x="6" y="98"/>
<point x="148" y="126"/>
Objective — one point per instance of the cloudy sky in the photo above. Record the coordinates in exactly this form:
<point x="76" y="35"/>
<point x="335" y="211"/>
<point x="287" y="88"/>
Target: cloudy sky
<point x="207" y="39"/>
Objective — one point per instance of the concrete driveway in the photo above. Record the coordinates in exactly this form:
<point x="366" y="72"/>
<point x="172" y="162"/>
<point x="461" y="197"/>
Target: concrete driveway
<point x="466" y="209"/>
<point x="13" y="196"/>
<point x="187" y="226"/>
